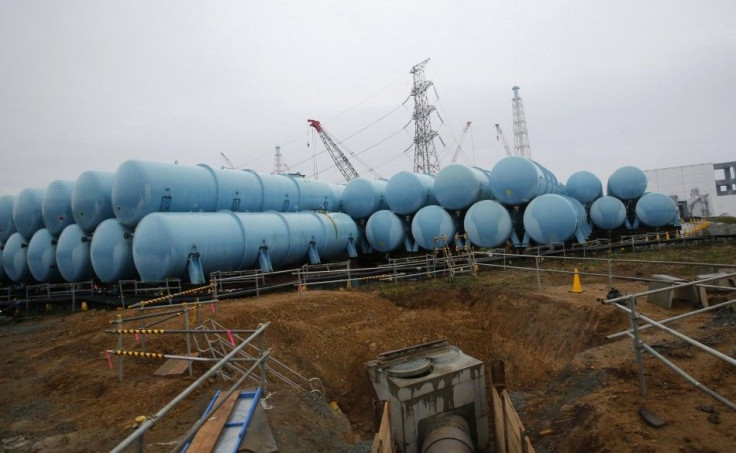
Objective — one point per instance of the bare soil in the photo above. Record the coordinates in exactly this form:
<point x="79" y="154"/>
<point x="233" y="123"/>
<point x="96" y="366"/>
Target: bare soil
<point x="574" y="390"/>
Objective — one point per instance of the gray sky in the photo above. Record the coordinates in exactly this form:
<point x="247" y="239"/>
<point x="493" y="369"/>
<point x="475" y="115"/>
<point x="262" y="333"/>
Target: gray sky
<point x="87" y="85"/>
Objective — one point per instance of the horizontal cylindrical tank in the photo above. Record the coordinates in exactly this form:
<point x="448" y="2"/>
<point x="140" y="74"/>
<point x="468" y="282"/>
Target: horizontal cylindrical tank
<point x="458" y="186"/>
<point x="140" y="188"/>
<point x="27" y="212"/>
<point x="163" y="243"/>
<point x="337" y="191"/>
<point x="407" y="192"/>
<point x="487" y="224"/>
<point x="608" y="213"/>
<point x="15" y="258"/>
<point x="56" y="208"/>
<point x="433" y="228"/>
<point x="584" y="186"/>
<point x="340" y="230"/>
<point x="627" y="183"/>
<point x="656" y="209"/>
<point x="111" y="252"/>
<point x="166" y="243"/>
<point x="42" y="257"/>
<point x="7" y="227"/>
<point x="385" y="231"/>
<point x="92" y="199"/>
<point x="516" y="180"/>
<point x="277" y="193"/>
<point x="73" y="256"/>
<point x="313" y="195"/>
<point x="552" y="218"/>
<point x="362" y="197"/>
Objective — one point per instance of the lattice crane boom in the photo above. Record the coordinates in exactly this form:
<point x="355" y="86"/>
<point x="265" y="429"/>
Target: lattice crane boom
<point x="499" y="136"/>
<point x="460" y="142"/>
<point x="521" y="135"/>
<point x="341" y="161"/>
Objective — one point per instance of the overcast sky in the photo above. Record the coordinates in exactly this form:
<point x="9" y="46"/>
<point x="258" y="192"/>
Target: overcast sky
<point x="89" y="84"/>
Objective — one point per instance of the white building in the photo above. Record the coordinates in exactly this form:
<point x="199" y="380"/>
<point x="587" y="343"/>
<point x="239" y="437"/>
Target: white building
<point x="701" y="190"/>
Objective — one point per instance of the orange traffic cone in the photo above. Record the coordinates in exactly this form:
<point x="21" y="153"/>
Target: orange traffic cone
<point x="576" y="287"/>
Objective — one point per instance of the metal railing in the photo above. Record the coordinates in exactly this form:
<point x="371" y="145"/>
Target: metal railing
<point x="258" y="363"/>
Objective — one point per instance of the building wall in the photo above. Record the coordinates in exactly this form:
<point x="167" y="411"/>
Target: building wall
<point x="707" y="190"/>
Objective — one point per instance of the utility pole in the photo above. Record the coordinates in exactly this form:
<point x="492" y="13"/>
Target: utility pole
<point x="425" y="153"/>
<point x="521" y="135"/>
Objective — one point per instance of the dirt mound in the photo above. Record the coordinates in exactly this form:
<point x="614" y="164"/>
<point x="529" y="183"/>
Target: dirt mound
<point x="575" y="390"/>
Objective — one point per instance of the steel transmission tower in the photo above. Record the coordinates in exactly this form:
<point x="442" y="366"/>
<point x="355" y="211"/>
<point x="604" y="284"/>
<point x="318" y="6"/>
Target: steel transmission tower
<point x="521" y="135"/>
<point x="425" y="154"/>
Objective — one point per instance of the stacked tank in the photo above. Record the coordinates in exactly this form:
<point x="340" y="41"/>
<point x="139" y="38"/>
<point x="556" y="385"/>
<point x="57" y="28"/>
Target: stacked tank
<point x="84" y="229"/>
<point x="153" y="220"/>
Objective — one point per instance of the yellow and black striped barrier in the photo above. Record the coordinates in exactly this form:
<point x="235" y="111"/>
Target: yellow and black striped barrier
<point x="171" y="296"/>
<point x="140" y="331"/>
<point x="139" y="354"/>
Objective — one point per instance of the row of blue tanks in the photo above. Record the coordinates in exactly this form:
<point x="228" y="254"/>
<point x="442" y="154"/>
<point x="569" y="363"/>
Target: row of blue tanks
<point x="154" y="220"/>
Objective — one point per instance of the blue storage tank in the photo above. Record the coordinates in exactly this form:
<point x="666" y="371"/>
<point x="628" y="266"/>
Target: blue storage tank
<point x="15" y="261"/>
<point x="56" y="208"/>
<point x="92" y="199"/>
<point x="111" y="252"/>
<point x="487" y="224"/>
<point x="3" y="275"/>
<point x="277" y="193"/>
<point x="362" y="197"/>
<point x="140" y="188"/>
<point x="177" y="244"/>
<point x="314" y="195"/>
<point x="165" y="242"/>
<point x="430" y="223"/>
<point x="627" y="183"/>
<point x="73" y="255"/>
<point x="385" y="231"/>
<point x="516" y="180"/>
<point x="458" y="186"/>
<point x="236" y="190"/>
<point x="656" y="210"/>
<point x="341" y="235"/>
<point x="554" y="218"/>
<point x="7" y="227"/>
<point x="42" y="257"/>
<point x="584" y="227"/>
<point x="608" y="213"/>
<point x="407" y="192"/>
<point x="27" y="212"/>
<point x="584" y="186"/>
<point x="337" y="191"/>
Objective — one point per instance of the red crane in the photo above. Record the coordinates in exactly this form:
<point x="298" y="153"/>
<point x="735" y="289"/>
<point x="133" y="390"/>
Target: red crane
<point x="341" y="161"/>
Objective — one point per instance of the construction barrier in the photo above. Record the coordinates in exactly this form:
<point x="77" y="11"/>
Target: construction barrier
<point x="171" y="296"/>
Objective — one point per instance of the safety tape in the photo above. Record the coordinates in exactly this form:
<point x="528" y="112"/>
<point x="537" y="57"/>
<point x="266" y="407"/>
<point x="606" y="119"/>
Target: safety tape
<point x="147" y="355"/>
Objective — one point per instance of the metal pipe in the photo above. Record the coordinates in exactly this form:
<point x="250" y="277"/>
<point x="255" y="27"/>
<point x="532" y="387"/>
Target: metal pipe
<point x="687" y="377"/>
<point x="637" y="345"/>
<point x="674" y="318"/>
<point x="158" y="355"/>
<point x="165" y="410"/>
<point x="670" y="288"/>
<point x="684" y="338"/>
<point x="450" y="434"/>
<point x="172" y="331"/>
